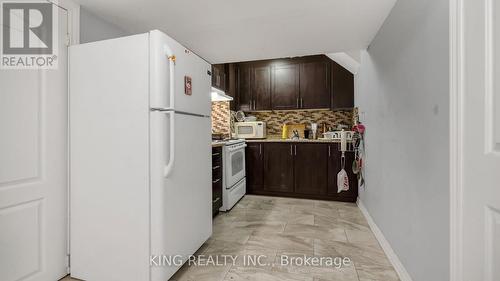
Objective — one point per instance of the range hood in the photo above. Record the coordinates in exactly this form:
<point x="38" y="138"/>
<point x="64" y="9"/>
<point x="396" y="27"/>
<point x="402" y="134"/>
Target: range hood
<point x="218" y="95"/>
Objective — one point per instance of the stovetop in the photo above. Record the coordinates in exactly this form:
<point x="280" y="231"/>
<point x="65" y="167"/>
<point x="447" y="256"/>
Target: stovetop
<point x="229" y="142"/>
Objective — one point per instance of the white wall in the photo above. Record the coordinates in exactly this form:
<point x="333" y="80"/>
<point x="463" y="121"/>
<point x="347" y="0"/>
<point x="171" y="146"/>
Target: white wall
<point x="402" y="93"/>
<point x="94" y="28"/>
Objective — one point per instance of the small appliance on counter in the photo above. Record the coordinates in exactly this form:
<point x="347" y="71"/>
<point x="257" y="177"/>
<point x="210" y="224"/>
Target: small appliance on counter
<point x="337" y="135"/>
<point x="250" y="130"/>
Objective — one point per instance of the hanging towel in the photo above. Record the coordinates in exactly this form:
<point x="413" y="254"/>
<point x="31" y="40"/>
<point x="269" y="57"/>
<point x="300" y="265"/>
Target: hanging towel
<point x="342" y="178"/>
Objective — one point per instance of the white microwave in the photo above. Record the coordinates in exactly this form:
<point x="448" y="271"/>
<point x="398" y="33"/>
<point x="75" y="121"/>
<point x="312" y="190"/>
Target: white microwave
<point x="250" y="130"/>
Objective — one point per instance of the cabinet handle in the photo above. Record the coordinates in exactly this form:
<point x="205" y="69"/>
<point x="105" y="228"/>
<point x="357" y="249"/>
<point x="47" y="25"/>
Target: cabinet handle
<point x="291" y="150"/>
<point x="215" y="154"/>
<point x="260" y="149"/>
<point x="216" y="167"/>
<point x="216" y="181"/>
<point x="295" y="150"/>
<point x="216" y="199"/>
<point x="329" y="151"/>
<point x="301" y="103"/>
<point x="297" y="102"/>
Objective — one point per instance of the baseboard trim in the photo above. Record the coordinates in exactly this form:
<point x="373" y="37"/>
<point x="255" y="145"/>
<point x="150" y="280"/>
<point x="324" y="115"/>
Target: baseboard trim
<point x="389" y="252"/>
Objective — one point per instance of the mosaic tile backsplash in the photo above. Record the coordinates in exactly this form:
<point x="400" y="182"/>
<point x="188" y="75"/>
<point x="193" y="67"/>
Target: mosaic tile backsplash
<point x="276" y="119"/>
<point x="221" y="118"/>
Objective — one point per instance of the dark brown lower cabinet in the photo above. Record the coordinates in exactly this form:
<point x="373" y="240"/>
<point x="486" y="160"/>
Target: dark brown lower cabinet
<point x="302" y="170"/>
<point x="311" y="172"/>
<point x="278" y="167"/>
<point x="334" y="167"/>
<point x="216" y="179"/>
<point x="254" y="158"/>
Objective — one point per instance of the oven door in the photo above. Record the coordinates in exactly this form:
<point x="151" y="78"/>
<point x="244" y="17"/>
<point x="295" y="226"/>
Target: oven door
<point x="234" y="165"/>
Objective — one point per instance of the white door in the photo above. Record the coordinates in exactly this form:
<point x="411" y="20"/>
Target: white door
<point x="476" y="206"/>
<point x="33" y="170"/>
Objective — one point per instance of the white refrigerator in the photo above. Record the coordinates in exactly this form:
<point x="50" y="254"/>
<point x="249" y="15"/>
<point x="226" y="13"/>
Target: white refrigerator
<point x="140" y="157"/>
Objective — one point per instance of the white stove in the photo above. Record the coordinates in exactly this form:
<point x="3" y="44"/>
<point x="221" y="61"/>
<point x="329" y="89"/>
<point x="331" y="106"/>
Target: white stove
<point x="234" y="180"/>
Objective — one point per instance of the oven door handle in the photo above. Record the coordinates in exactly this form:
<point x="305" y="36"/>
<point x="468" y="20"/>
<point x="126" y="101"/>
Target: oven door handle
<point x="231" y="149"/>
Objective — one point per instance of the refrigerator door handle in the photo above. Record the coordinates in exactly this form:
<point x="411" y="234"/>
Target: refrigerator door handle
<point x="171" y="160"/>
<point x="171" y="59"/>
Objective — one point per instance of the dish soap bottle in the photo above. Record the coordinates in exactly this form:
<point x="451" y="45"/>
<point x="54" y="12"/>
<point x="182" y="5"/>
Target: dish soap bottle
<point x="284" y="134"/>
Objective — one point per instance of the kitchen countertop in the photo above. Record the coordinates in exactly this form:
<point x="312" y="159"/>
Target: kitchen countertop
<point x="218" y="143"/>
<point x="299" y="140"/>
<point x="277" y="139"/>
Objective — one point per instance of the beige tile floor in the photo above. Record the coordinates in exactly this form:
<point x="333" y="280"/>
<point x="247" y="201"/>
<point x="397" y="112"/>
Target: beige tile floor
<point x="274" y="227"/>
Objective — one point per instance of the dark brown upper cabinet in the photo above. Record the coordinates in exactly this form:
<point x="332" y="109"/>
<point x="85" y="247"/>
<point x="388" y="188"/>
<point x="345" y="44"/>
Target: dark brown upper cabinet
<point x="261" y="87"/>
<point x="232" y="86"/>
<point x="311" y="82"/>
<point x="285" y="93"/>
<point x="244" y="87"/>
<point x="315" y="84"/>
<point x="254" y="87"/>
<point x="342" y="87"/>
<point x="219" y="76"/>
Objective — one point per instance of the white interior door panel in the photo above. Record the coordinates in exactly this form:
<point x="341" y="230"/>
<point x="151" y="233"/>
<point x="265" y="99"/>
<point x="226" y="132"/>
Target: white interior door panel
<point x="33" y="170"/>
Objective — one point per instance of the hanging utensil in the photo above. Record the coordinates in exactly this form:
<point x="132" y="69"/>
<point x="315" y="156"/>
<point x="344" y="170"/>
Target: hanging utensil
<point x="356" y="164"/>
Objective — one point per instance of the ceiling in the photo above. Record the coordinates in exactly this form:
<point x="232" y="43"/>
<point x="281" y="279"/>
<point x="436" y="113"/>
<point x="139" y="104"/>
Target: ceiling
<point x="235" y="30"/>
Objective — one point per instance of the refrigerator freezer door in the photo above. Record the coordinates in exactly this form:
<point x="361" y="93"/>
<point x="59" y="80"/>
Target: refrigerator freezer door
<point x="181" y="202"/>
<point x="187" y="64"/>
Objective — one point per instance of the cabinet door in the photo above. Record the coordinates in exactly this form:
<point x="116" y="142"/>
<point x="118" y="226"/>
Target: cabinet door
<point x="261" y="87"/>
<point x="219" y="78"/>
<point x="254" y="166"/>
<point x="315" y="84"/>
<point x="232" y="85"/>
<point x="278" y="167"/>
<point x="334" y="167"/>
<point x="215" y="73"/>
<point x="216" y="179"/>
<point x="285" y="86"/>
<point x="245" y="99"/>
<point x="343" y="87"/>
<point x="311" y="168"/>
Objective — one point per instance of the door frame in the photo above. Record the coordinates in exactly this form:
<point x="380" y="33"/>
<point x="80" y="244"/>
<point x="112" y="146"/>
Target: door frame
<point x="456" y="135"/>
<point x="73" y="38"/>
<point x="73" y="10"/>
